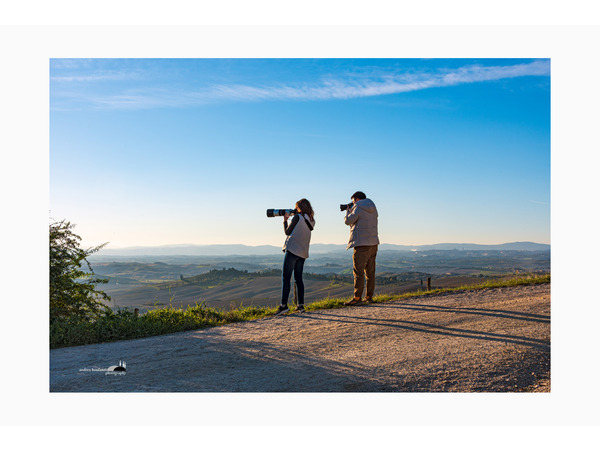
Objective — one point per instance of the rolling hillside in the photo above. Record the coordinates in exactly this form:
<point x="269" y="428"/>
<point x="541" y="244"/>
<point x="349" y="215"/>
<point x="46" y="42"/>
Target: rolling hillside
<point x="256" y="280"/>
<point x="241" y="288"/>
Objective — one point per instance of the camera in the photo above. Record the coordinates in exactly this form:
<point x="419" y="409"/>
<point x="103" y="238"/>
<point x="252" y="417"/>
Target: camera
<point x="345" y="207"/>
<point x="280" y="212"/>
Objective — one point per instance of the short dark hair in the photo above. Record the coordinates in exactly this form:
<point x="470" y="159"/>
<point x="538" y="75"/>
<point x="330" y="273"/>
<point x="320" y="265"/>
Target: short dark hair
<point x="359" y="195"/>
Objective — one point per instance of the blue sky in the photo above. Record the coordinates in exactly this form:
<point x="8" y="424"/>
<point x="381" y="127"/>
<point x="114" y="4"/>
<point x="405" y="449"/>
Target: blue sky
<point x="161" y="151"/>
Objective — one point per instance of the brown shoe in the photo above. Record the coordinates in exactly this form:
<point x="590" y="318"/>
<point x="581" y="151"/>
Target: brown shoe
<point x="354" y="301"/>
<point x="368" y="299"/>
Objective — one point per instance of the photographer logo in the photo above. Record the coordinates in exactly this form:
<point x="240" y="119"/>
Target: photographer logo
<point x="120" y="369"/>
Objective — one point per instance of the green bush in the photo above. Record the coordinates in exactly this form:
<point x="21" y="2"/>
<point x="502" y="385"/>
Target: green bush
<point x="72" y="291"/>
<point x="124" y="324"/>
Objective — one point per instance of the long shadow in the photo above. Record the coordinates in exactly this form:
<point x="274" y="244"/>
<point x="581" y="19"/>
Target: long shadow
<point x="205" y="362"/>
<point x="274" y="353"/>
<point x="516" y="315"/>
<point x="433" y="329"/>
<point x="307" y="371"/>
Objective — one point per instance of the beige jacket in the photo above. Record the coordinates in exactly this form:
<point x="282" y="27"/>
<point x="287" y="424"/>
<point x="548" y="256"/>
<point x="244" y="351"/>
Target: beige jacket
<point x="362" y="219"/>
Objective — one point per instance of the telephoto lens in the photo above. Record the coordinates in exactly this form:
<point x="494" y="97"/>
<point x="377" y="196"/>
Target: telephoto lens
<point x="279" y="212"/>
<point x="344" y="207"/>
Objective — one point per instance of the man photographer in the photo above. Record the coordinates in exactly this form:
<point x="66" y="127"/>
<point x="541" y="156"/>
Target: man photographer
<point x="361" y="216"/>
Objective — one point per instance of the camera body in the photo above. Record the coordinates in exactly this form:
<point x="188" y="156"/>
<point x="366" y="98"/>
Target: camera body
<point x="280" y="212"/>
<point x="345" y="207"/>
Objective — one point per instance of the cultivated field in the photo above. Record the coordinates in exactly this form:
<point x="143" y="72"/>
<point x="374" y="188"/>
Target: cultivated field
<point x="259" y="291"/>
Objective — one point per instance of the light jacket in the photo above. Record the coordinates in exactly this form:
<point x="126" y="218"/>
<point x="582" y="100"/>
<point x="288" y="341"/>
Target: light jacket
<point x="299" y="239"/>
<point x="362" y="219"/>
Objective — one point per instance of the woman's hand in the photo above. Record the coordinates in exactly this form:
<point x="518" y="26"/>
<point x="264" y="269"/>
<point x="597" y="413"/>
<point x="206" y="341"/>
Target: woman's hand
<point x="286" y="216"/>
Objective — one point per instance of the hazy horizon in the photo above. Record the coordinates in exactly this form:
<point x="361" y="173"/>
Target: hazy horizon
<point x="184" y="244"/>
<point x="316" y="249"/>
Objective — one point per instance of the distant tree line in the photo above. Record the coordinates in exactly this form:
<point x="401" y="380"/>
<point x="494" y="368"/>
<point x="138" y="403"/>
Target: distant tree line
<point x="222" y="276"/>
<point x="216" y="276"/>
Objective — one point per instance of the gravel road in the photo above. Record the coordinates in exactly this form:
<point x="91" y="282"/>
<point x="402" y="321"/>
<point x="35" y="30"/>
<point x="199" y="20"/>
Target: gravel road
<point x="493" y="340"/>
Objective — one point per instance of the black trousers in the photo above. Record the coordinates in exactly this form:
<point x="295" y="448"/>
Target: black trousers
<point x="295" y="264"/>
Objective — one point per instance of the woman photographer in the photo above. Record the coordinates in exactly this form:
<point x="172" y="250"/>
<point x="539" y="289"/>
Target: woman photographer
<point x="296" y="251"/>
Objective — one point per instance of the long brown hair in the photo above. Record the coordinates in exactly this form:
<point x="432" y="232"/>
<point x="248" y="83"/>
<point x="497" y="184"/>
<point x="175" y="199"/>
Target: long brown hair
<point x="304" y="207"/>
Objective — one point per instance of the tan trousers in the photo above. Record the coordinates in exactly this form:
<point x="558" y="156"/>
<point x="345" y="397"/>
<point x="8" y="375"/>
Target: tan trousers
<point x="363" y="261"/>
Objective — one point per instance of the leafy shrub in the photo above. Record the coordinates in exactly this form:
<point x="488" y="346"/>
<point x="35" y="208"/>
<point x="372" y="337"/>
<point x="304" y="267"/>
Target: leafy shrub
<point x="72" y="291"/>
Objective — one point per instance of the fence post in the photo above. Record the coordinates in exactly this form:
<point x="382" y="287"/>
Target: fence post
<point x="136" y="312"/>
<point x="428" y="283"/>
<point x="295" y="294"/>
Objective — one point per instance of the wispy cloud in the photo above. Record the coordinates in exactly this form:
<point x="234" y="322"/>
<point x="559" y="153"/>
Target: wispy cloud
<point x="98" y="77"/>
<point x="328" y="89"/>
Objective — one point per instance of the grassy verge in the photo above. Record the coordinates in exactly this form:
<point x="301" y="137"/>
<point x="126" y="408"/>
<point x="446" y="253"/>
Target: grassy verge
<point x="521" y="281"/>
<point x="124" y="324"/>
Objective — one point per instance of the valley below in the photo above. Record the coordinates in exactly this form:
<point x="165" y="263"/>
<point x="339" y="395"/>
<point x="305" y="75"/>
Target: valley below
<point x="155" y="281"/>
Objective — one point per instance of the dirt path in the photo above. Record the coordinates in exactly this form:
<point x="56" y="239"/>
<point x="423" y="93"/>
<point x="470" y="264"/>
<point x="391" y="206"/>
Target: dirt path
<point x="491" y="340"/>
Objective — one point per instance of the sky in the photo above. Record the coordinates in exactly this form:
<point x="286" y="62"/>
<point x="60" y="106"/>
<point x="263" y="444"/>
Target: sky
<point x="193" y="151"/>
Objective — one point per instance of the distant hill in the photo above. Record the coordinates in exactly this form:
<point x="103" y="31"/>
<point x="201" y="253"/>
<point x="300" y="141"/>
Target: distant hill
<point x="192" y="250"/>
<point x="514" y="246"/>
<point x="238" y="249"/>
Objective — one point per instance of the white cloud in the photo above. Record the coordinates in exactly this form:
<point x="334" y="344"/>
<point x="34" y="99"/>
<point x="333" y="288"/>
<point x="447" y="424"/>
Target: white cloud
<point x="96" y="77"/>
<point x="330" y="89"/>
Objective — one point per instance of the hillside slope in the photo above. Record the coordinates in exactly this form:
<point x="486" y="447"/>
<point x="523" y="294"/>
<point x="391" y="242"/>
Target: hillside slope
<point x="494" y="340"/>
